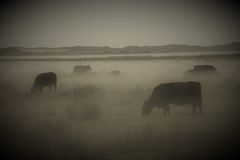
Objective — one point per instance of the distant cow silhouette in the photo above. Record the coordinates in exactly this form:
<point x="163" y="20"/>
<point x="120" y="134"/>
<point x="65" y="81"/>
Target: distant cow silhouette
<point x="202" y="72"/>
<point x="115" y="73"/>
<point x="178" y="93"/>
<point x="81" y="69"/>
<point x="48" y="79"/>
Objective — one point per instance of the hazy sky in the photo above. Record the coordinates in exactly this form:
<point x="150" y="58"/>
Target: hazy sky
<point x="118" y="23"/>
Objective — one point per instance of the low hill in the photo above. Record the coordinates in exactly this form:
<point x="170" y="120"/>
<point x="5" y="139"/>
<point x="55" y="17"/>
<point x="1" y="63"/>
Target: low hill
<point x="80" y="50"/>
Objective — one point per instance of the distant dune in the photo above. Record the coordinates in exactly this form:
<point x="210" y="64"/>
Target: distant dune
<point x="85" y="50"/>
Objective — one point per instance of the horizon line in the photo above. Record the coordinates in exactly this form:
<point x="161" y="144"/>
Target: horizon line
<point x="119" y="47"/>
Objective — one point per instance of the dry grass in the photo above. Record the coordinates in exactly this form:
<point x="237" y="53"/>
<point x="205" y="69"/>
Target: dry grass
<point x="102" y="122"/>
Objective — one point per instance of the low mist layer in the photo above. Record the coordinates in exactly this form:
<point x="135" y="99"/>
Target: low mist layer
<point x="98" y="115"/>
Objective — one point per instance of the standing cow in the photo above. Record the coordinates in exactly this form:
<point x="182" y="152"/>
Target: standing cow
<point x="48" y="79"/>
<point x="178" y="93"/>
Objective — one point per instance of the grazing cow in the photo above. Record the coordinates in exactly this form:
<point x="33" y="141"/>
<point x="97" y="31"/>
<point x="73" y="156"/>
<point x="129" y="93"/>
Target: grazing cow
<point x="178" y="93"/>
<point x="44" y="80"/>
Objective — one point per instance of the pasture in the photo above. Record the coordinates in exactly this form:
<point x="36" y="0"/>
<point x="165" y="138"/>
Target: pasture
<point x="99" y="116"/>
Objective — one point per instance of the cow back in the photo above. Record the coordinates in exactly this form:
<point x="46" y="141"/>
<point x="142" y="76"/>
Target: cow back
<point x="46" y="79"/>
<point x="177" y="93"/>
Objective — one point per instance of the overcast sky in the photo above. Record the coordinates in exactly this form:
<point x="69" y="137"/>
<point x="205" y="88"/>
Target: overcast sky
<point x="118" y="23"/>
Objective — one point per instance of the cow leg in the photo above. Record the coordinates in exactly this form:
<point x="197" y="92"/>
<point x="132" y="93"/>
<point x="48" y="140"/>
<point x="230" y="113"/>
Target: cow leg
<point x="200" y="108"/>
<point x="166" y="110"/>
<point x="40" y="89"/>
<point x="50" y="88"/>
<point x="193" y="108"/>
<point x="55" y="87"/>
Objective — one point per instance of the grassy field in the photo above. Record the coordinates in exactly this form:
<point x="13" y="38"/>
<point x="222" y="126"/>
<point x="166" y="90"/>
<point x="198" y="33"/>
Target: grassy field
<point x="99" y="116"/>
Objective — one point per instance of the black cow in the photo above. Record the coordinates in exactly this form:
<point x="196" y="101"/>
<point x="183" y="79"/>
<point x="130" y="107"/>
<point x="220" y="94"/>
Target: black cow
<point x="178" y="93"/>
<point x="48" y="79"/>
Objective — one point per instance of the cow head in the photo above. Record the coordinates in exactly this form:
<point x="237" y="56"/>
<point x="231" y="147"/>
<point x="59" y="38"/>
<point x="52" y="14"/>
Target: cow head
<point x="147" y="107"/>
<point x="33" y="90"/>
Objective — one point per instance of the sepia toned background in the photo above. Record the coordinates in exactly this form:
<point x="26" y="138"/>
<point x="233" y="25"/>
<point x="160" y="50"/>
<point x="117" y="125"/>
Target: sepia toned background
<point x="131" y="47"/>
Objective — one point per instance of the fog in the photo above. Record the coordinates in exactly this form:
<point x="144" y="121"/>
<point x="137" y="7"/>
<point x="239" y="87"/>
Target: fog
<point x="98" y="115"/>
<point x="118" y="23"/>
